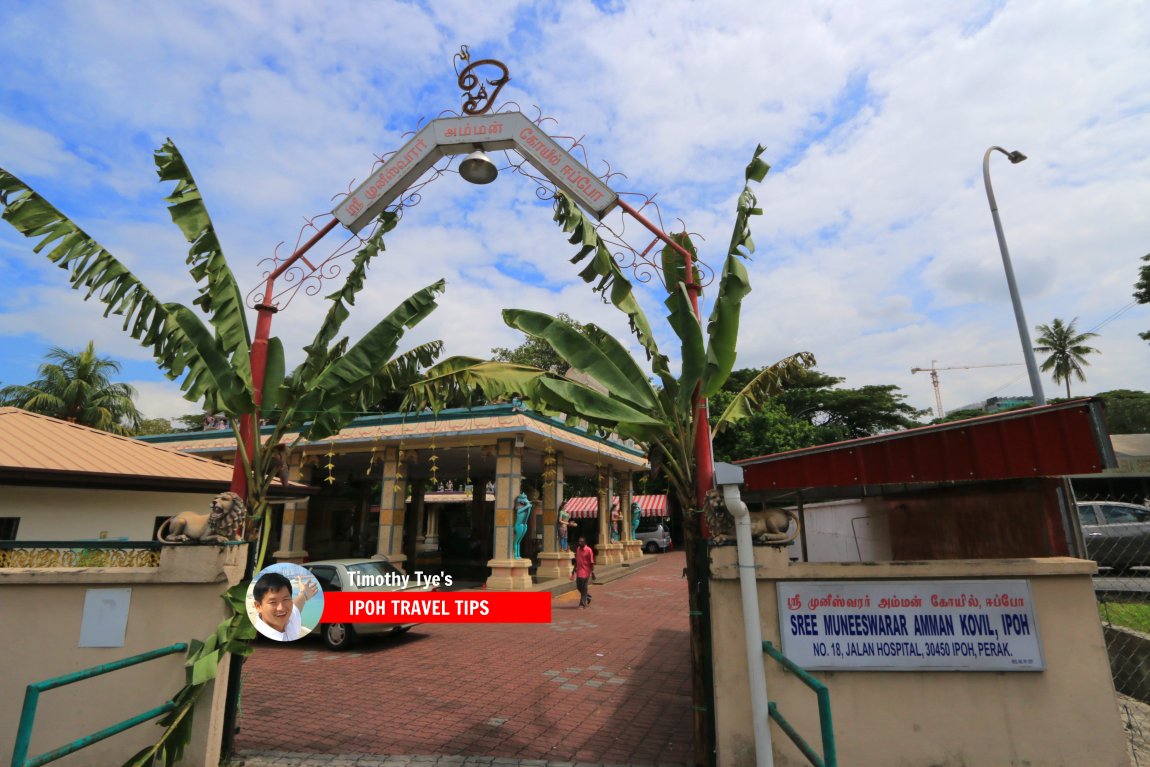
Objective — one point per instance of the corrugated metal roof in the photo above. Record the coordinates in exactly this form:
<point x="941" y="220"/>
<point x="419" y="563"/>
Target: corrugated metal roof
<point x="587" y="506"/>
<point x="1050" y="441"/>
<point x="35" y="443"/>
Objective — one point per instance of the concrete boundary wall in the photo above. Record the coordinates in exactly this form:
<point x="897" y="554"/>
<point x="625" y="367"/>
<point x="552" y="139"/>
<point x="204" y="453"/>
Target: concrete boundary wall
<point x="40" y="619"/>
<point x="1065" y="715"/>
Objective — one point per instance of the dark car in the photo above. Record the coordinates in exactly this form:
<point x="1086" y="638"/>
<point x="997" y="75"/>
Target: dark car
<point x="1117" y="534"/>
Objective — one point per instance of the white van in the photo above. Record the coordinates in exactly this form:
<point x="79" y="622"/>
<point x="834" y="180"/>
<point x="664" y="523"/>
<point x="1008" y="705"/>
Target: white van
<point x="654" y="533"/>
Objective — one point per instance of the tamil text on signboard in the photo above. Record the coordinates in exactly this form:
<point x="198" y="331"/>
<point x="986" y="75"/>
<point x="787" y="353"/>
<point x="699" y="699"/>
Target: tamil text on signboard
<point x="906" y="625"/>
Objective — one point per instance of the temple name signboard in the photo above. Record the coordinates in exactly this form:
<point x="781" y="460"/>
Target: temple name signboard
<point x="984" y="625"/>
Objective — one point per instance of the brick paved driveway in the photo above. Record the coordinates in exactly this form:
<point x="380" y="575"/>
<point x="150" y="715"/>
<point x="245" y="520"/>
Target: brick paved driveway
<point x="609" y="684"/>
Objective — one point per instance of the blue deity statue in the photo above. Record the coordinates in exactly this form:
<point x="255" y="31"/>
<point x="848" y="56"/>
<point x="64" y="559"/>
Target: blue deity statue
<point x="636" y="512"/>
<point x="522" y="514"/>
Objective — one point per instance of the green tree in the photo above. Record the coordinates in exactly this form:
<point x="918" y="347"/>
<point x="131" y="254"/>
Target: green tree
<point x="154" y="426"/>
<point x="1127" y="412"/>
<point x="210" y="352"/>
<point x="770" y="430"/>
<point x="841" y="413"/>
<point x="536" y="352"/>
<point x="1142" y="289"/>
<point x="1067" y="349"/>
<point x="810" y="410"/>
<point x="625" y="401"/>
<point x="78" y="387"/>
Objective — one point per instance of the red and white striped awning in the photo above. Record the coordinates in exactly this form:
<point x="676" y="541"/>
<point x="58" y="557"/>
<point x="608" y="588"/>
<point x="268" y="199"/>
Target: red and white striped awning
<point x="587" y="506"/>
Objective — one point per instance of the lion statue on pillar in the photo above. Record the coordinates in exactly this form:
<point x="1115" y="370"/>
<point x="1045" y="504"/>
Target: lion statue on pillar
<point x="224" y="523"/>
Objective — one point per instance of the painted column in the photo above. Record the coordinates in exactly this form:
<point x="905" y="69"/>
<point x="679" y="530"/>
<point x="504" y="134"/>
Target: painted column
<point x="413" y="538"/>
<point x="507" y="574"/>
<point x="293" y="524"/>
<point x="293" y="533"/>
<point x="632" y="549"/>
<point x="392" y="502"/>
<point x="609" y="553"/>
<point x="553" y="563"/>
<point x="431" y="537"/>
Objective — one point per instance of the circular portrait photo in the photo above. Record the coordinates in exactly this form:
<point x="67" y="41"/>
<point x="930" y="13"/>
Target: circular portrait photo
<point x="285" y="602"/>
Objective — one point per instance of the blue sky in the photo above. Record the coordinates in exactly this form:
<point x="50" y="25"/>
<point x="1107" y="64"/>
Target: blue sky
<point x="876" y="248"/>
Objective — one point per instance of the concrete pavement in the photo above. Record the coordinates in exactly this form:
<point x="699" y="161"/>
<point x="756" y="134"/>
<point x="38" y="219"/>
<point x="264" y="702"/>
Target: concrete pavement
<point x="608" y="684"/>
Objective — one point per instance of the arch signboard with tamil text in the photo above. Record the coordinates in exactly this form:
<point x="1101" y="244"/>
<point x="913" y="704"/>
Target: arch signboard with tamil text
<point x="461" y="135"/>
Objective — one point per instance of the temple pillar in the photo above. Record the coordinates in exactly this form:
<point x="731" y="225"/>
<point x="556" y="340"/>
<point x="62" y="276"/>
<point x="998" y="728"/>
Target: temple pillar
<point x="554" y="564"/>
<point x="609" y="553"/>
<point x="431" y="536"/>
<point x="293" y="533"/>
<point x="507" y="573"/>
<point x="392" y="504"/>
<point x="632" y="548"/>
<point x="293" y="523"/>
<point x="413" y="526"/>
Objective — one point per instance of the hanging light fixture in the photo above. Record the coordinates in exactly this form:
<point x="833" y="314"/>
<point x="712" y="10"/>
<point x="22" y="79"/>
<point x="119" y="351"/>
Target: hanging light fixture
<point x="478" y="168"/>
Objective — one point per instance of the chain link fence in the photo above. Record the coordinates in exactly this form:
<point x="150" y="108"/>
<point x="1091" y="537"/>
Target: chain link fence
<point x="1116" y="530"/>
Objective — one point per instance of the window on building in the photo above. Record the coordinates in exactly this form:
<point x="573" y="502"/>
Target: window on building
<point x="156" y="526"/>
<point x="8" y="527"/>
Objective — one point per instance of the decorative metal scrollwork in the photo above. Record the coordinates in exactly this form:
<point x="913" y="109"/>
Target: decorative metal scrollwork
<point x="69" y="557"/>
<point x="476" y="99"/>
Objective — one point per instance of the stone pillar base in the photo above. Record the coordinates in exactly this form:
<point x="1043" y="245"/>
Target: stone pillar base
<point x="430" y="543"/>
<point x="632" y="550"/>
<point x="396" y="560"/>
<point x="296" y="557"/>
<point x="509" y="575"/>
<point x="610" y="554"/>
<point x="554" y="565"/>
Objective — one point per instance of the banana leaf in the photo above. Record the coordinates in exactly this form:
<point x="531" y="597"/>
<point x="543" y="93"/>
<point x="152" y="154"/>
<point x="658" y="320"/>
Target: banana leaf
<point x="146" y="318"/>
<point x="582" y="354"/>
<point x="344" y="298"/>
<point x="220" y="296"/>
<point x="766" y="384"/>
<point x="723" y="326"/>
<point x="686" y="326"/>
<point x="602" y="266"/>
<point x="361" y="361"/>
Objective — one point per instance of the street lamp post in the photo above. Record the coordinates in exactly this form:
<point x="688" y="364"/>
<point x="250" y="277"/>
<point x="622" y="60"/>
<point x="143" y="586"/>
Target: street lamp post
<point x="1020" y="317"/>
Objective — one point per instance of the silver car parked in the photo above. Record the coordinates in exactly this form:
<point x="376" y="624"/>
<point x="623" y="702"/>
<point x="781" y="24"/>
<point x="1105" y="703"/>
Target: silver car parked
<point x="336" y="575"/>
<point x="1117" y="534"/>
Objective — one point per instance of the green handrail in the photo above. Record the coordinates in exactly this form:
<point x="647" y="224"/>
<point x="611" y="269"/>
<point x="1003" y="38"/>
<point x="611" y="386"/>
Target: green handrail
<point x="20" y="756"/>
<point x="826" y="724"/>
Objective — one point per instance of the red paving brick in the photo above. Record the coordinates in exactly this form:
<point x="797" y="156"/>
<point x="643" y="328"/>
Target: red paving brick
<point x="607" y="684"/>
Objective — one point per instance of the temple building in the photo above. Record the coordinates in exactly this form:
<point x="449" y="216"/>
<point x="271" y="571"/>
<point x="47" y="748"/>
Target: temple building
<point x="437" y="491"/>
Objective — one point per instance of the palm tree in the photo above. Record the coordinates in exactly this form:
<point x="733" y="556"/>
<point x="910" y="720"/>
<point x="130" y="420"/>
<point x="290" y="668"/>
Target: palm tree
<point x="1067" y="349"/>
<point x="76" y="386"/>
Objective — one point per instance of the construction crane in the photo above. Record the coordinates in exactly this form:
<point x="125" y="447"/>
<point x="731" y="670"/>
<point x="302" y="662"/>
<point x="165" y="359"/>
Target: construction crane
<point x="933" y="370"/>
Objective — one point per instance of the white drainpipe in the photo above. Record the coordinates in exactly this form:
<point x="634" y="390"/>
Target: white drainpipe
<point x="756" y="673"/>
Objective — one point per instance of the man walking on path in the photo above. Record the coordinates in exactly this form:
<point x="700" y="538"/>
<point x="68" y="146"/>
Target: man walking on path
<point x="582" y="570"/>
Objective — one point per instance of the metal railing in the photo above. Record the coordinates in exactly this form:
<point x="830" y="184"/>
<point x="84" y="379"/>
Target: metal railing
<point x="826" y="724"/>
<point x="20" y="756"/>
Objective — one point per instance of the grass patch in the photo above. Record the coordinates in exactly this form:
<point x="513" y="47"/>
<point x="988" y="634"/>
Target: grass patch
<point x="1131" y="615"/>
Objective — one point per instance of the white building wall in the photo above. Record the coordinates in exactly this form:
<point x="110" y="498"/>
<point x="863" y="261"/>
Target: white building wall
<point x="68" y="514"/>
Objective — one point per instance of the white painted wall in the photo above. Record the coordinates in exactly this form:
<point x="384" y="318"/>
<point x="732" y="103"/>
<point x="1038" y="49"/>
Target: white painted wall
<point x="68" y="514"/>
<point x="845" y="531"/>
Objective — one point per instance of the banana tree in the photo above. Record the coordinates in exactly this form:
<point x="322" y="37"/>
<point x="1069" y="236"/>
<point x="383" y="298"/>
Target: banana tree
<point x="624" y="400"/>
<point x="209" y="352"/>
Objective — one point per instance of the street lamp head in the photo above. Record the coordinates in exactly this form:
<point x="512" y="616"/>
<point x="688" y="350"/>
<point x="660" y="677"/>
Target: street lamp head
<point x="478" y="168"/>
<point x="1015" y="156"/>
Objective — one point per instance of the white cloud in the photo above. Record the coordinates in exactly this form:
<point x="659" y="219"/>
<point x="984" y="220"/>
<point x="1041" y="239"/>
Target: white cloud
<point x="876" y="249"/>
